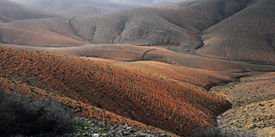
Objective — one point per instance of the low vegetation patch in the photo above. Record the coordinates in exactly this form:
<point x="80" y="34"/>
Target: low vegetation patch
<point x="21" y="115"/>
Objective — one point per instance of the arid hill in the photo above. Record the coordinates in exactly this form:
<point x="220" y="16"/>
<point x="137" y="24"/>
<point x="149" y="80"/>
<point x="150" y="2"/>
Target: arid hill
<point x="10" y="11"/>
<point x="73" y="8"/>
<point x="130" y="53"/>
<point x="233" y="30"/>
<point x="247" y="35"/>
<point x="174" y="24"/>
<point x="144" y="2"/>
<point x="216" y="28"/>
<point x="174" y="106"/>
<point x="39" y="32"/>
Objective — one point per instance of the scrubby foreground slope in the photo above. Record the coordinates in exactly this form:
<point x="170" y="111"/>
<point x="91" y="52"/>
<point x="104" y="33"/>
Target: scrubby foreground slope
<point x="10" y="11"/>
<point x="176" y="107"/>
<point x="253" y="100"/>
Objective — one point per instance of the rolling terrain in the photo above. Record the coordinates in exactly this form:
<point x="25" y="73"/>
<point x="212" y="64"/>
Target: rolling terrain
<point x="205" y="27"/>
<point x="174" y="24"/>
<point x="176" y="107"/>
<point x="41" y="32"/>
<point x="171" y="69"/>
<point x="249" y="35"/>
<point x="216" y="28"/>
<point x="130" y="53"/>
<point x="10" y="11"/>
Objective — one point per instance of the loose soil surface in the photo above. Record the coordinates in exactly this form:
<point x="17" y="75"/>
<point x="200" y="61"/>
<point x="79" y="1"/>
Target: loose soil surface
<point x="89" y="86"/>
<point x="253" y="100"/>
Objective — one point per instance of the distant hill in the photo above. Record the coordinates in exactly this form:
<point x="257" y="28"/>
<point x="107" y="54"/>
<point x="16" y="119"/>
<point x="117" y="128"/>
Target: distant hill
<point x="145" y="2"/>
<point x="39" y="32"/>
<point x="10" y="11"/>
<point x="236" y="30"/>
<point x="174" y="24"/>
<point x="228" y="29"/>
<point x="76" y="7"/>
<point x="247" y="35"/>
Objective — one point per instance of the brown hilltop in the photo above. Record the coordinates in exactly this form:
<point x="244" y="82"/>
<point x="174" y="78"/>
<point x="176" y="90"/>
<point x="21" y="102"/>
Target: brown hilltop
<point x="177" y="107"/>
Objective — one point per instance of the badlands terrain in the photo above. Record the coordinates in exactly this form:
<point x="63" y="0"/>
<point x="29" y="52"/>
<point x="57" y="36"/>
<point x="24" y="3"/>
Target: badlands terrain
<point x="175" y="69"/>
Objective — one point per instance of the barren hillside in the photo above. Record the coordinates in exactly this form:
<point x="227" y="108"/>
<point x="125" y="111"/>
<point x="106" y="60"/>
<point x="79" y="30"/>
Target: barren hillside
<point x="39" y="32"/>
<point x="130" y="53"/>
<point x="246" y="35"/>
<point x="176" y="107"/>
<point x="235" y="30"/>
<point x="73" y="8"/>
<point x="176" y="24"/>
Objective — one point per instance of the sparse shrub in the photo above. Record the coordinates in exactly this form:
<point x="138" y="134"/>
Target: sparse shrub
<point x="20" y="115"/>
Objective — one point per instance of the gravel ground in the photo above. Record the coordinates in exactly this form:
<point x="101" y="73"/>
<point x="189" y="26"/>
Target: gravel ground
<point x="98" y="128"/>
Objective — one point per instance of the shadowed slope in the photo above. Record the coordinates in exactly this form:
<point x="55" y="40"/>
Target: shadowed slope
<point x="10" y="11"/>
<point x="177" y="107"/>
<point x="248" y="35"/>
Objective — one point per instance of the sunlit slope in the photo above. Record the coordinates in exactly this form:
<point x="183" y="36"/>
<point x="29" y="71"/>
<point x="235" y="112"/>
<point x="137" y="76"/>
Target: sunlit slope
<point x="10" y="86"/>
<point x="176" y="73"/>
<point x="179" y="108"/>
<point x="122" y="52"/>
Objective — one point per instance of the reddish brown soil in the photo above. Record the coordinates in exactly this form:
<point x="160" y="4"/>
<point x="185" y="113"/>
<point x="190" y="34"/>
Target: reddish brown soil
<point x="175" y="107"/>
<point x="137" y="53"/>
<point x="174" y="73"/>
<point x="11" y="86"/>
